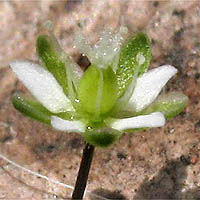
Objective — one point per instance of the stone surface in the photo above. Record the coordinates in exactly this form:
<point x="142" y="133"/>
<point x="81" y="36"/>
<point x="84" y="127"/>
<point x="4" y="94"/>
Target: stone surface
<point x="160" y="163"/>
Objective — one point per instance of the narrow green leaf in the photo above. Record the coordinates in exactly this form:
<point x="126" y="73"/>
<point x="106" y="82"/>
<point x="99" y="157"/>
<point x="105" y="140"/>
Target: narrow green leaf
<point x="169" y="104"/>
<point x="135" y="52"/>
<point x="50" y="53"/>
<point x="35" y="110"/>
<point x="98" y="90"/>
<point x="31" y="108"/>
<point x="102" y="137"/>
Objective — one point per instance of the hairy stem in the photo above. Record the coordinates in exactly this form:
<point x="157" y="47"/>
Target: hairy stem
<point x="84" y="169"/>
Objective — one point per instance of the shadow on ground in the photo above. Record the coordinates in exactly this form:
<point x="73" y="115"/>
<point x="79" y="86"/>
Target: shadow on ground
<point x="104" y="194"/>
<point x="168" y="184"/>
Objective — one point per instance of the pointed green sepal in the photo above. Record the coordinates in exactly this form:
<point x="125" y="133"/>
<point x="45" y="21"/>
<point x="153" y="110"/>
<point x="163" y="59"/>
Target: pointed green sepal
<point x="31" y="108"/>
<point x="136" y="51"/>
<point x="98" y="90"/>
<point x="102" y="137"/>
<point x="50" y="53"/>
<point x="169" y="104"/>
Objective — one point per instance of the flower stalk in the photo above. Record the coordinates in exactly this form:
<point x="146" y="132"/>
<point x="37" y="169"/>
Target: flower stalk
<point x="83" y="173"/>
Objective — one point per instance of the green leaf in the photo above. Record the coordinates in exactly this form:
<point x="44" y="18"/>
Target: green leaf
<point x="169" y="104"/>
<point x="98" y="90"/>
<point x="136" y="52"/>
<point x="50" y="53"/>
<point x="31" y="108"/>
<point x="35" y="110"/>
<point x="102" y="137"/>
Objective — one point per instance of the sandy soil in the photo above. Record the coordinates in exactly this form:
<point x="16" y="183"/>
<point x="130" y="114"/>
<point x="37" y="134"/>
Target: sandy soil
<point x="162" y="163"/>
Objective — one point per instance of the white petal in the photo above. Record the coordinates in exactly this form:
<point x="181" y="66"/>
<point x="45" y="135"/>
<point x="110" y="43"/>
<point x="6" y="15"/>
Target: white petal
<point x="148" y="86"/>
<point x="42" y="85"/>
<point x="66" y="125"/>
<point x="155" y="119"/>
<point x="107" y="47"/>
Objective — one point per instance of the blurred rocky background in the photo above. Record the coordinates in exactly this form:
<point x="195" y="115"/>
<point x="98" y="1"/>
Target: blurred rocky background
<point x="161" y="163"/>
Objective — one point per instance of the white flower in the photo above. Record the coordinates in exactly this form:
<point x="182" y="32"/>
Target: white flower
<point x="48" y="92"/>
<point x="116" y="94"/>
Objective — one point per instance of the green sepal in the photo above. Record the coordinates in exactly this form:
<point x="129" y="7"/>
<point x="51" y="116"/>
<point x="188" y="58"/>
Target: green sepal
<point x="31" y="108"/>
<point x="169" y="104"/>
<point x="102" y="137"/>
<point x="98" y="90"/>
<point x="35" y="110"/>
<point x="128" y="60"/>
<point x="50" y="54"/>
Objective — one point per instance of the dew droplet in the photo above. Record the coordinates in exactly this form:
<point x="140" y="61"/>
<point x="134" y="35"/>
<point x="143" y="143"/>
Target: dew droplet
<point x="77" y="100"/>
<point x="140" y="58"/>
<point x="89" y="127"/>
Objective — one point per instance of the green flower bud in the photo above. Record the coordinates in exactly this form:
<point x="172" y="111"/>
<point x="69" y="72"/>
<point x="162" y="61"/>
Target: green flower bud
<point x="98" y="90"/>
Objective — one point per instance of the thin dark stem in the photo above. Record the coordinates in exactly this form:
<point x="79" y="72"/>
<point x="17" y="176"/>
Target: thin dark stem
<point x="84" y="169"/>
